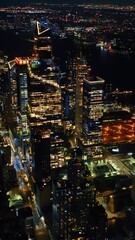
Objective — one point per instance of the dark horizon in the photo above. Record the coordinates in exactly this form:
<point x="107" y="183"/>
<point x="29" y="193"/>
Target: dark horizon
<point x="27" y="2"/>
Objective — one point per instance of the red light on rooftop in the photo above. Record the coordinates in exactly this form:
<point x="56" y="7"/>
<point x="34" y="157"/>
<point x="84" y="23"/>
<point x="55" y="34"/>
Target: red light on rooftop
<point x="21" y="61"/>
<point x="34" y="54"/>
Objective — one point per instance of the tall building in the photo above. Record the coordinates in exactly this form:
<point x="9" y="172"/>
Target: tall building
<point x="43" y="43"/>
<point x="46" y="114"/>
<point x="82" y="73"/>
<point x="41" y="157"/>
<point x="45" y="96"/>
<point x="70" y="209"/>
<point x="77" y="70"/>
<point x="61" y="210"/>
<point x="41" y="167"/>
<point x="13" y="85"/>
<point x="92" y="111"/>
<point x="72" y="200"/>
<point x="70" y="93"/>
<point x="18" y="76"/>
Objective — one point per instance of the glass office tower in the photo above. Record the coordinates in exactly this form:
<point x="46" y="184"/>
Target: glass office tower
<point x="43" y="44"/>
<point x="92" y="112"/>
<point x="45" y="97"/>
<point x="18" y="75"/>
<point x="45" y="115"/>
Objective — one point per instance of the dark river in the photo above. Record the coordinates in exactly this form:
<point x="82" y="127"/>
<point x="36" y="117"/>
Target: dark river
<point x="117" y="69"/>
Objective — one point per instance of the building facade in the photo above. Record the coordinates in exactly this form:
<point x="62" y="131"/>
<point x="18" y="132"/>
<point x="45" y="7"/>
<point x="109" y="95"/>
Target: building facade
<point x="92" y="112"/>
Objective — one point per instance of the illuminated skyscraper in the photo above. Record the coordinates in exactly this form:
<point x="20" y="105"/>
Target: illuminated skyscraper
<point x="45" y="97"/>
<point x="46" y="114"/>
<point x="18" y="75"/>
<point x="92" y="112"/>
<point x="22" y="84"/>
<point x="70" y="93"/>
<point x="43" y="44"/>
<point x="77" y="70"/>
<point x="13" y="84"/>
<point x="81" y="74"/>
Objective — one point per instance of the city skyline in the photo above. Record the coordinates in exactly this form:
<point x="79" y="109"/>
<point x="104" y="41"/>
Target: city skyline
<point x="67" y="122"/>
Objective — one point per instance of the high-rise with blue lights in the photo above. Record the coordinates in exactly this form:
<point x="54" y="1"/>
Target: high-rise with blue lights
<point x="18" y="75"/>
<point x="92" y="112"/>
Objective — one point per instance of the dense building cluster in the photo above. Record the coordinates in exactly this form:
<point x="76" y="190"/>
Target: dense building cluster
<point x="66" y="138"/>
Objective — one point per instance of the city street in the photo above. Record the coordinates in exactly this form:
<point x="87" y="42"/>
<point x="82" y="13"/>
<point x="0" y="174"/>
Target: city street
<point x="25" y="189"/>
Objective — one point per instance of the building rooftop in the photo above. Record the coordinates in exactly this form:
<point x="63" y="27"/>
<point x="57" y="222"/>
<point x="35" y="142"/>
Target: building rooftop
<point x="22" y="60"/>
<point x="116" y="115"/>
<point x="111" y="183"/>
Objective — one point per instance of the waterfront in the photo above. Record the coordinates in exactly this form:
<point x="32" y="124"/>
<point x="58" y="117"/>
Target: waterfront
<point x="115" y="68"/>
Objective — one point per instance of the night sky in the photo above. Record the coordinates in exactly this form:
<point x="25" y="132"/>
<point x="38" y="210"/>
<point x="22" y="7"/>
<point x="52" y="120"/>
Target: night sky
<point x="22" y="2"/>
